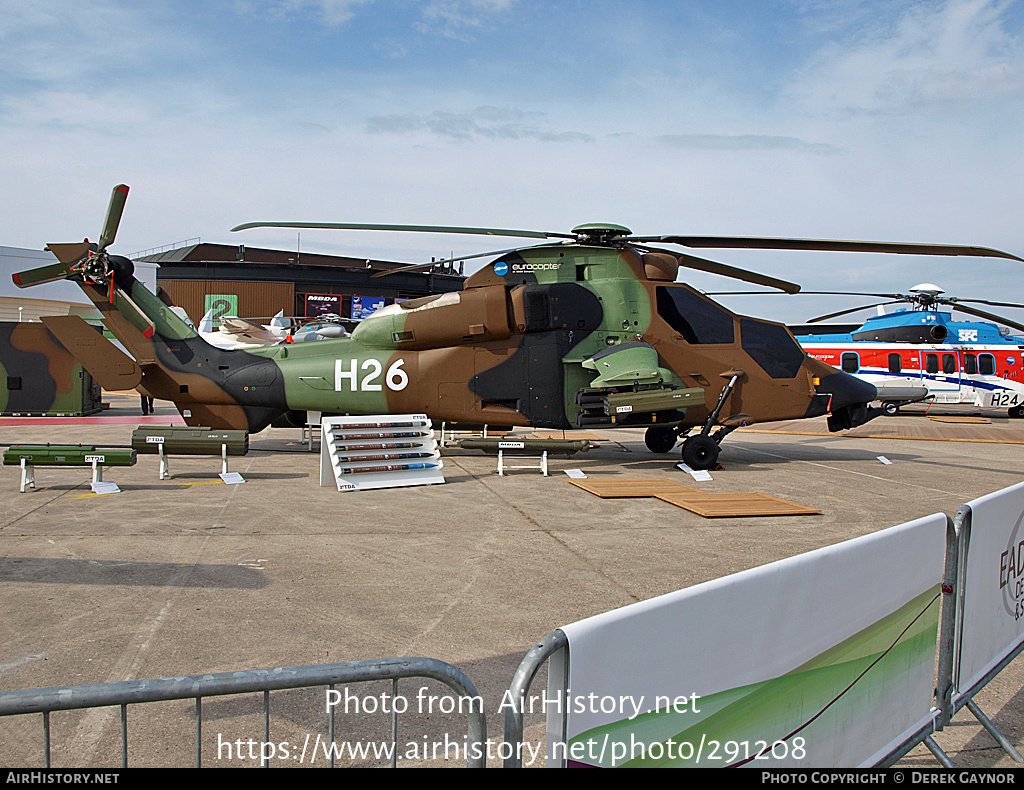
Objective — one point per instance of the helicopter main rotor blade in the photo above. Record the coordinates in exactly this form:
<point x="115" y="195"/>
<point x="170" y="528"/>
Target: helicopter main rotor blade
<point x="851" y="310"/>
<point x="991" y="317"/>
<point x="826" y="245"/>
<point x="900" y="297"/>
<point x="954" y="300"/>
<point x="114" y="210"/>
<point x="804" y="293"/>
<point x="704" y="265"/>
<point x="529" y="234"/>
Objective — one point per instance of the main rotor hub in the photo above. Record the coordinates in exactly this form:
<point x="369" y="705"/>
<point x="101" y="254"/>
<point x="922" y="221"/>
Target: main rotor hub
<point x="929" y="289"/>
<point x="599" y="233"/>
<point x="926" y="295"/>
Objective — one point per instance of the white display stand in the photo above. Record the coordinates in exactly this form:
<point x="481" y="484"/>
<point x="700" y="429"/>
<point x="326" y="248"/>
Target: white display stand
<point x="312" y="424"/>
<point x="502" y="466"/>
<point x="378" y="451"/>
<point x="165" y="468"/>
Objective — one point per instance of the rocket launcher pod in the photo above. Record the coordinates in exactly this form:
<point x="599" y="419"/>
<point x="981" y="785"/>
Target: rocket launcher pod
<point x="67" y="455"/>
<point x="182" y="440"/>
<point x="617" y="403"/>
<point x="658" y="405"/>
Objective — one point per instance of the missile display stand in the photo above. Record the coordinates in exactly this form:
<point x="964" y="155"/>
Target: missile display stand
<point x="379" y="451"/>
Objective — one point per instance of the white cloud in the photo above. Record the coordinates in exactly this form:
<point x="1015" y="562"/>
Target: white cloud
<point x="454" y="17"/>
<point x="494" y="123"/>
<point x="331" y="12"/>
<point x="937" y="58"/>
<point x="745" y="142"/>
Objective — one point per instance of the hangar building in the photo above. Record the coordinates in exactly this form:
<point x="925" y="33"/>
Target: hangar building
<point x="250" y="282"/>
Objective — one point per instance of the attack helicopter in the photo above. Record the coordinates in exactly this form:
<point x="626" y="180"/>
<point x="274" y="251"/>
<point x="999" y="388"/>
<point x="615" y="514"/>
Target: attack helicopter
<point x="585" y="329"/>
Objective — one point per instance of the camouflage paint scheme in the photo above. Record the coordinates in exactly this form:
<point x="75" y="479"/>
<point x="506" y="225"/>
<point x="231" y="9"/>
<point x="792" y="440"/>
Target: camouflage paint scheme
<point x="508" y="350"/>
<point x="41" y="377"/>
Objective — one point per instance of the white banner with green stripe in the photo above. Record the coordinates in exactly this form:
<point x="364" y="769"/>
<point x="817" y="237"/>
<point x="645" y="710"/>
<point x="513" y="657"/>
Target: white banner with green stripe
<point x="825" y="659"/>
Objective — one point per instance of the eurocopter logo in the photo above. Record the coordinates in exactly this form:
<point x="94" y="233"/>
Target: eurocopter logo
<point x="501" y="269"/>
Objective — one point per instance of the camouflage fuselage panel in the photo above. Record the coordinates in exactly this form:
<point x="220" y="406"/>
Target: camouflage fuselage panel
<point x="40" y="376"/>
<point x="211" y="387"/>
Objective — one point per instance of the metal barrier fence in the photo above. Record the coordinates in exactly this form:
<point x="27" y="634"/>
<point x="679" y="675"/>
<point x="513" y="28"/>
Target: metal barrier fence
<point x="520" y="688"/>
<point x="46" y="701"/>
<point x="951" y="699"/>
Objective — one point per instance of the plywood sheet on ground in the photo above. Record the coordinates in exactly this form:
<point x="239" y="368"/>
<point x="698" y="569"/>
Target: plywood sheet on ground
<point x="959" y="418"/>
<point x="708" y="504"/>
<point x="734" y="505"/>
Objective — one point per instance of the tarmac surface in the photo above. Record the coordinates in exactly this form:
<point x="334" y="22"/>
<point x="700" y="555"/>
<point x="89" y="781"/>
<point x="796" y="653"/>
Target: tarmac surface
<point x="189" y="576"/>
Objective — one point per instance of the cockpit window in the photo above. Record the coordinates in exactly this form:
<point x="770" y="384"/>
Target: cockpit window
<point x="698" y="320"/>
<point x="772" y="347"/>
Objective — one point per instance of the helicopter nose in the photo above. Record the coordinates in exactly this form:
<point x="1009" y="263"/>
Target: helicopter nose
<point x="837" y="392"/>
<point x="846" y="390"/>
<point x="846" y="400"/>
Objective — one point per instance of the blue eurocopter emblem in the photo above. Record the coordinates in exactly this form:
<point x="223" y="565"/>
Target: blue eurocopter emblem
<point x="501" y="268"/>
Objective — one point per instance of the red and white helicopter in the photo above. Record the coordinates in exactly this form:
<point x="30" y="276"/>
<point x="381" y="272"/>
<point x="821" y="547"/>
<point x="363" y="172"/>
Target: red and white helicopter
<point x="919" y="353"/>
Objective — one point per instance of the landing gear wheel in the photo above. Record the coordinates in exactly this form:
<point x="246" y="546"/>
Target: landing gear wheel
<point x="660" y="440"/>
<point x="700" y="452"/>
<point x="891" y="408"/>
<point x="1016" y="411"/>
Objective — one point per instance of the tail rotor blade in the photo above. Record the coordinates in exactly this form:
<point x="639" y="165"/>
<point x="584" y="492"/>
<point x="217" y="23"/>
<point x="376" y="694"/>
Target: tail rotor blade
<point x="69" y="253"/>
<point x="114" y="211"/>
<point x="44" y="274"/>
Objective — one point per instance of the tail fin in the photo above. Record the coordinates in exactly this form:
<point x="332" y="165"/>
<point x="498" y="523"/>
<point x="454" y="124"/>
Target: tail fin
<point x="206" y="323"/>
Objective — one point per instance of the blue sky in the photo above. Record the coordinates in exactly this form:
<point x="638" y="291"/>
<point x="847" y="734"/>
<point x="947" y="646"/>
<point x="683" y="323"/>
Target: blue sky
<point x="897" y="120"/>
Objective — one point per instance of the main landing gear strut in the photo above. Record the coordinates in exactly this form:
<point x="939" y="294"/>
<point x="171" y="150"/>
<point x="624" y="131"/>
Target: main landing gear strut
<point x="701" y="450"/>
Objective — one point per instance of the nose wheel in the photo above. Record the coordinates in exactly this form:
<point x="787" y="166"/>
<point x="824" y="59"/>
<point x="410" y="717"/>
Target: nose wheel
<point x="701" y="452"/>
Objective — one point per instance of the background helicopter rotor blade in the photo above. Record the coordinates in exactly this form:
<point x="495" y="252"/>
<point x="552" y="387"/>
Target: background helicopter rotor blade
<point x="804" y="293"/>
<point x="991" y="317"/>
<point x="954" y="300"/>
<point x="114" y="210"/>
<point x="898" y="297"/>
<point x="845" y="312"/>
<point x="529" y="234"/>
<point x="825" y="245"/>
